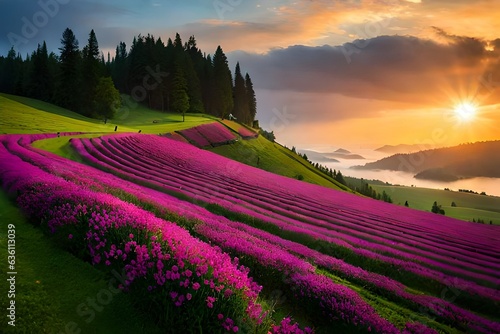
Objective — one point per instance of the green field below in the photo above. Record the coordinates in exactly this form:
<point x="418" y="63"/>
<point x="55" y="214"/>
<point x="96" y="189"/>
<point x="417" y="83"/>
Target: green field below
<point x="468" y="206"/>
<point x="24" y="115"/>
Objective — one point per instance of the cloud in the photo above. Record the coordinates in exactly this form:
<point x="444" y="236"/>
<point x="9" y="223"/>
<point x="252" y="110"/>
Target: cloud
<point x="385" y="68"/>
<point x="369" y="78"/>
<point x="27" y="23"/>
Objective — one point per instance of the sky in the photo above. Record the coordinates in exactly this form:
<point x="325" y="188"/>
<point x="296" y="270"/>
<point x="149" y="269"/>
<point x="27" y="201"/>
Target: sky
<point x="353" y="73"/>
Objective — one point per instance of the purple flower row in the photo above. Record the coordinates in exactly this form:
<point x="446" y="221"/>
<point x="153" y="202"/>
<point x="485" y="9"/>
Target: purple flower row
<point x="269" y="254"/>
<point x="192" y="185"/>
<point x="208" y="134"/>
<point x="120" y="235"/>
<point x="221" y="232"/>
<point x="289" y="246"/>
<point x="218" y="230"/>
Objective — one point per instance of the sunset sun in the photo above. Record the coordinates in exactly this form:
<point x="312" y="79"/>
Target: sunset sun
<point x="465" y="111"/>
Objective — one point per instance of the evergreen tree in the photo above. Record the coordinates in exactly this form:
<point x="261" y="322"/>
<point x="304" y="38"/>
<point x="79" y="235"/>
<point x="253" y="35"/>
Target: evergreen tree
<point x="240" y="108"/>
<point x="119" y="68"/>
<point x="251" y="99"/>
<point x="41" y="78"/>
<point x="10" y="72"/>
<point x="91" y="74"/>
<point x="192" y="64"/>
<point x="208" y="86"/>
<point x="179" y="97"/>
<point x="68" y="84"/>
<point x="223" y="90"/>
<point x="137" y="62"/>
<point x="178" y="42"/>
<point x="437" y="208"/>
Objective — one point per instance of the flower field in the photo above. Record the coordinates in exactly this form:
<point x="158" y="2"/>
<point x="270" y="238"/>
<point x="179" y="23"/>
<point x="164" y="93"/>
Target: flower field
<point x="212" y="134"/>
<point x="242" y="130"/>
<point x="339" y="261"/>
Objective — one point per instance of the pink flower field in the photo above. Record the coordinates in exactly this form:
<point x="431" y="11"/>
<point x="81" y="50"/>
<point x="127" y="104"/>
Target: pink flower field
<point x="212" y="236"/>
<point x="212" y="134"/>
<point x="241" y="129"/>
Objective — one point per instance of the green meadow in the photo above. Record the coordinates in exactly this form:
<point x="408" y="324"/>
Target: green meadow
<point x="468" y="206"/>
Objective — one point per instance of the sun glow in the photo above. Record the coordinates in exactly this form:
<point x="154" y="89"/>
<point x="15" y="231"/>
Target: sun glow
<point x="465" y="111"/>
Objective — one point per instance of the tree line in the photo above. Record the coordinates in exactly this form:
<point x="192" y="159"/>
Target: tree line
<point x="172" y="76"/>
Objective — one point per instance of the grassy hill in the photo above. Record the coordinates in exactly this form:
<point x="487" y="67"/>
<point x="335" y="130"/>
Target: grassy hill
<point x="24" y="115"/>
<point x="275" y="158"/>
<point x="468" y="206"/>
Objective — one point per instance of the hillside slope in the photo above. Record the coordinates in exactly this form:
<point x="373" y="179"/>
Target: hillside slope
<point x="274" y="158"/>
<point x="333" y="261"/>
<point x="479" y="159"/>
<point x="24" y="115"/>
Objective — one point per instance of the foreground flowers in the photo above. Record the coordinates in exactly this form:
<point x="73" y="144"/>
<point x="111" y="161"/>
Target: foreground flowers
<point x="183" y="170"/>
<point x="164" y="265"/>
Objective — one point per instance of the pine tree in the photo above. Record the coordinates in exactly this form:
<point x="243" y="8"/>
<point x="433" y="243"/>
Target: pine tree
<point x="223" y="97"/>
<point x="119" y="71"/>
<point x="240" y="108"/>
<point x="41" y="79"/>
<point x="252" y="100"/>
<point x="68" y="87"/>
<point x="178" y="96"/>
<point x="91" y="74"/>
<point x="9" y="72"/>
<point x="208" y="86"/>
<point x="340" y="178"/>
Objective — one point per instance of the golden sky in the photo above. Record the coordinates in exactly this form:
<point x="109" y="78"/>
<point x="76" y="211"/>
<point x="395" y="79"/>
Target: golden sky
<point x="361" y="72"/>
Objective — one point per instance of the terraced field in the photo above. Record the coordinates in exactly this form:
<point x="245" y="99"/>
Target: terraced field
<point x="202" y="225"/>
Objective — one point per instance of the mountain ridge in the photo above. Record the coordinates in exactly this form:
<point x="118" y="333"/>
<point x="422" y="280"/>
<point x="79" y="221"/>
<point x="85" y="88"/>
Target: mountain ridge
<point x="479" y="159"/>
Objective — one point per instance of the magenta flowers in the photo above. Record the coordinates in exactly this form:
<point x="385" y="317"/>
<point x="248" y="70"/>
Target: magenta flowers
<point x="212" y="134"/>
<point x="120" y="235"/>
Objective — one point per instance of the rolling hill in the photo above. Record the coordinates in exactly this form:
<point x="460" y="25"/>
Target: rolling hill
<point x="403" y="148"/>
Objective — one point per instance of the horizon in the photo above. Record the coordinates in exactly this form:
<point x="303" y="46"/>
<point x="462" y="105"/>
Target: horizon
<point x="354" y="73"/>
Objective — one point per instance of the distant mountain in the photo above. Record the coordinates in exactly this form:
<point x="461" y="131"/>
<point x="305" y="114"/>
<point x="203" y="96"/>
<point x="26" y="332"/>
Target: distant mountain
<point x="317" y="156"/>
<point x="403" y="148"/>
<point x="446" y="164"/>
<point x="348" y="156"/>
<point x="329" y="156"/>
